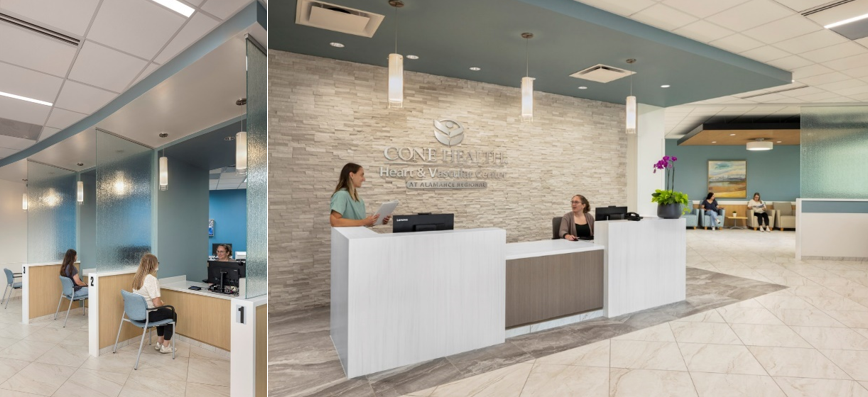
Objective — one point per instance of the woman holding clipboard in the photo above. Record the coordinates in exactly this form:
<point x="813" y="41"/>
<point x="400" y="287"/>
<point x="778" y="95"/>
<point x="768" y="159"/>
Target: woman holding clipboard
<point x="347" y="209"/>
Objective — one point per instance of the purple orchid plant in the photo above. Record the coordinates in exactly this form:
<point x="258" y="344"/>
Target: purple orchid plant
<point x="669" y="196"/>
<point x="667" y="164"/>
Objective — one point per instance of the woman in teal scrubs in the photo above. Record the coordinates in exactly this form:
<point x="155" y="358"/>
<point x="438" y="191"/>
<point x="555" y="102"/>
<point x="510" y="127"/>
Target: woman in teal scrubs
<point x="347" y="209"/>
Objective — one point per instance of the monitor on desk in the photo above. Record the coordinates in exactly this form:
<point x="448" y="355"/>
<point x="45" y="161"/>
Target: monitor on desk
<point x="610" y="213"/>
<point x="422" y="222"/>
<point x="226" y="274"/>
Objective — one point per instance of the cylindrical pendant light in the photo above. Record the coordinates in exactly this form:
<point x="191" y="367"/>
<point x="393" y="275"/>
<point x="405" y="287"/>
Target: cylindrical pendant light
<point x="24" y="202"/>
<point x="527" y="83"/>
<point x="164" y="172"/>
<point x="632" y="112"/>
<point x="396" y="67"/>
<point x="760" y="144"/>
<point x="79" y="192"/>
<point x="241" y="152"/>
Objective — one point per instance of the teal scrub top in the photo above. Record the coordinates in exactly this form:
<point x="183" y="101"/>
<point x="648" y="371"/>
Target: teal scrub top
<point x="343" y="204"/>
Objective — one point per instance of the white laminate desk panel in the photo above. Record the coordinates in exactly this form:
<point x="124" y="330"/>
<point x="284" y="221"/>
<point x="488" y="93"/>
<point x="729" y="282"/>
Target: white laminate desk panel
<point x="184" y="286"/>
<point x="400" y="299"/>
<point x="535" y="249"/>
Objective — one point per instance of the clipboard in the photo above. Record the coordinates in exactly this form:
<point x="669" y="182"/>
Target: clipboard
<point x="386" y="210"/>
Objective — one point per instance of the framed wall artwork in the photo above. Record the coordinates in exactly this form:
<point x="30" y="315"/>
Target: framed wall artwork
<point x="727" y="178"/>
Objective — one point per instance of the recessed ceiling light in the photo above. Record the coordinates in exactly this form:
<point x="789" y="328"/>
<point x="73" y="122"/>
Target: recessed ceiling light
<point x="731" y="134"/>
<point x="336" y="45"/>
<point x="475" y="69"/>
<point x="846" y="21"/>
<point x="176" y="6"/>
<point x="412" y="57"/>
<point x="713" y="141"/>
<point x="794" y="80"/>
<point x="664" y="86"/>
<point x="779" y="141"/>
<point x="583" y="88"/>
<point x="24" y="98"/>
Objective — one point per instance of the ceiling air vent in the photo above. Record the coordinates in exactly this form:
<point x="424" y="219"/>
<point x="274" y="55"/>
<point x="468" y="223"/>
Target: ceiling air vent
<point x="601" y="73"/>
<point x="38" y="29"/>
<point x="337" y="18"/>
<point x="826" y="7"/>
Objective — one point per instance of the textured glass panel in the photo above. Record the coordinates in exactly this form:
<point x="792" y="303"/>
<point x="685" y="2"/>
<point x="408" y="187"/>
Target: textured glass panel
<point x="834" y="145"/>
<point x="50" y="212"/>
<point x="123" y="202"/>
<point x="257" y="172"/>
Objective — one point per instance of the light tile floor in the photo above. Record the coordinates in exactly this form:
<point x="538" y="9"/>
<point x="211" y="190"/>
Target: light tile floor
<point x="805" y="341"/>
<point x="45" y="359"/>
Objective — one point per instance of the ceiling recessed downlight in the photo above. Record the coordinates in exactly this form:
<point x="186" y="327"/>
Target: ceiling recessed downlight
<point x="24" y="98"/>
<point x="779" y="142"/>
<point x="664" y="86"/>
<point x="731" y="134"/>
<point x="846" y="21"/>
<point x="475" y="69"/>
<point x="176" y="6"/>
<point x="583" y="88"/>
<point x="336" y="45"/>
<point x="713" y="141"/>
<point x="412" y="57"/>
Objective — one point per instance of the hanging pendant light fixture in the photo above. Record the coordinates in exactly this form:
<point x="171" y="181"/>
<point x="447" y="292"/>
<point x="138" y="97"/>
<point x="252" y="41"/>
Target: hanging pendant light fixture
<point x="526" y="83"/>
<point x="79" y="192"/>
<point x="164" y="172"/>
<point x="241" y="151"/>
<point x="632" y="112"/>
<point x="396" y="67"/>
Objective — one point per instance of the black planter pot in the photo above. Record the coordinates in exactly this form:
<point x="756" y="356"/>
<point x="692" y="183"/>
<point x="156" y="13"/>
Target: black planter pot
<point x="669" y="211"/>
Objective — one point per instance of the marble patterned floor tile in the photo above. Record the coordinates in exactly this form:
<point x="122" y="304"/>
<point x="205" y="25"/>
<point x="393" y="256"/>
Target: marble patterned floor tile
<point x="38" y="378"/>
<point x="710" y="316"/>
<point x="776" y="302"/>
<point x="412" y="378"/>
<point x="565" y="380"/>
<point x="807" y="317"/>
<point x="769" y="335"/>
<point x="153" y="387"/>
<point x="90" y="383"/>
<point x="853" y="362"/>
<point x="650" y="383"/>
<point x="795" y="362"/>
<point x="9" y="367"/>
<point x="687" y="332"/>
<point x="818" y="291"/>
<point x="592" y="355"/>
<point x="721" y="359"/>
<point x="422" y="393"/>
<point x="68" y="355"/>
<point x="557" y="340"/>
<point x="208" y="371"/>
<point x="504" y="382"/>
<point x="26" y="350"/>
<point x="748" y="315"/>
<point x="657" y="333"/>
<point x="200" y="390"/>
<point x="50" y="334"/>
<point x="646" y="355"/>
<point x="733" y="385"/>
<point x="802" y="387"/>
<point x="851" y="319"/>
<point x="117" y="363"/>
<point x="833" y="338"/>
<point x="162" y="367"/>
<point x="13" y="393"/>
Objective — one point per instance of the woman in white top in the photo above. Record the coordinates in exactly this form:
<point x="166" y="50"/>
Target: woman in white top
<point x="759" y="211"/>
<point x="145" y="283"/>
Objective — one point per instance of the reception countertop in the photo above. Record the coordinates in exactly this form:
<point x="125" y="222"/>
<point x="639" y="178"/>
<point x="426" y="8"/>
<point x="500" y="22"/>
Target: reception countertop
<point x="533" y="249"/>
<point x="184" y="286"/>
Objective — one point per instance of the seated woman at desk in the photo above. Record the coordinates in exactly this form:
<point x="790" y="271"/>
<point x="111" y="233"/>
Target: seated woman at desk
<point x="145" y="283"/>
<point x="347" y="209"/>
<point x="224" y="253"/>
<point x="578" y="222"/>
<point x="67" y="269"/>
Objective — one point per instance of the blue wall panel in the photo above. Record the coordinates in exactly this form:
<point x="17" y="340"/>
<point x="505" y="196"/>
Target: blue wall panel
<point x="228" y="209"/>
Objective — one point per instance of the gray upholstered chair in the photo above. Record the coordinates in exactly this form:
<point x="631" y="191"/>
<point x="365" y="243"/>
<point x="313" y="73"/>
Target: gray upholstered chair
<point x="10" y="282"/>
<point x="692" y="218"/>
<point x="706" y="220"/>
<point x="785" y="217"/>
<point x="556" y="227"/>
<point x="136" y="313"/>
<point x="753" y="220"/>
<point x="67" y="291"/>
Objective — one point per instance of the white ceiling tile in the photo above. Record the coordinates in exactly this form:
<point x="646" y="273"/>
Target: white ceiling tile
<point x="148" y="70"/>
<point x="663" y="17"/>
<point x="857" y="72"/>
<point x="838" y="51"/>
<point x="71" y="16"/>
<point x="736" y="43"/>
<point x="105" y="68"/>
<point x="861" y="97"/>
<point x="224" y="9"/>
<point x="194" y="3"/>
<point x="198" y="26"/>
<point x="625" y="7"/>
<point x="35" y="51"/>
<point x="835" y="99"/>
<point x="808" y="71"/>
<point x="765" y="53"/>
<point x="783" y="29"/>
<point x="750" y="15"/>
<point x="790" y="62"/>
<point x="846" y="85"/>
<point x="139" y="27"/>
<point x="802" y="91"/>
<point x="802" y="5"/>
<point x="811" y="41"/>
<point x="848" y="63"/>
<point x="19" y="110"/>
<point x="703" y="31"/>
<point x="61" y="118"/>
<point x="842" y="11"/>
<point x="702" y="9"/>
<point x="824" y="78"/>
<point x="47" y="132"/>
<point x="4" y="152"/>
<point x="25" y="82"/>
<point x="82" y="98"/>
<point x="11" y="142"/>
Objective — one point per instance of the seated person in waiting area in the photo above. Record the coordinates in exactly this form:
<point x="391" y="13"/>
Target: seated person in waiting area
<point x="145" y="283"/>
<point x="578" y="222"/>
<point x="759" y="211"/>
<point x="67" y="269"/>
<point x="712" y="209"/>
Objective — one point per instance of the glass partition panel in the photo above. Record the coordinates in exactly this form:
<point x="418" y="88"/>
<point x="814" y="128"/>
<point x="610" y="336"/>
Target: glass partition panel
<point x="51" y="223"/>
<point x="123" y="202"/>
<point x="834" y="145"/>
<point x="257" y="171"/>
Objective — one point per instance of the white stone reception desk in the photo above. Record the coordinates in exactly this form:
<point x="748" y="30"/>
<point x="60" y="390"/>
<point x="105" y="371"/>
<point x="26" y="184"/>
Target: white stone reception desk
<point x="400" y="299"/>
<point x="645" y="263"/>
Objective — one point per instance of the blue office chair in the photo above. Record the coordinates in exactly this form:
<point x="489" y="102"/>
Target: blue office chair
<point x="136" y="313"/>
<point x="10" y="282"/>
<point x="68" y="291"/>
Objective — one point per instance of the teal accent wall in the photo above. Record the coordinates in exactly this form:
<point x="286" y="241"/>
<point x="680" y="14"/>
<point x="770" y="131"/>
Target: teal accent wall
<point x="774" y="174"/>
<point x="182" y="222"/>
<point x="228" y="209"/>
<point x="87" y="222"/>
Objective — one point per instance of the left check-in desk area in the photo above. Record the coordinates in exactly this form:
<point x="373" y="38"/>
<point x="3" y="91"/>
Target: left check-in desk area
<point x="404" y="298"/>
<point x="40" y="290"/>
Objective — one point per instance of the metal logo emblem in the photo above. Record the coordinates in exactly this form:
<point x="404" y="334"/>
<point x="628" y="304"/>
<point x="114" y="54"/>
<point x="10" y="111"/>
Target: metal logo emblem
<point x="448" y="132"/>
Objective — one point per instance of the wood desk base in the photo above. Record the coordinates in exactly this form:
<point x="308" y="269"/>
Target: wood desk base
<point x="202" y="318"/>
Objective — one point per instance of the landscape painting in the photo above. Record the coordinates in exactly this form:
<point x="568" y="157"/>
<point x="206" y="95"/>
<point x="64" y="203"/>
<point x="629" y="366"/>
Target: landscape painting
<point x="727" y="178"/>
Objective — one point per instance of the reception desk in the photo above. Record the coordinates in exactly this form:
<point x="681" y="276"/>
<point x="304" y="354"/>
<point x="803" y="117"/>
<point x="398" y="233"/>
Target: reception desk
<point x="400" y="299"/>
<point x="831" y="229"/>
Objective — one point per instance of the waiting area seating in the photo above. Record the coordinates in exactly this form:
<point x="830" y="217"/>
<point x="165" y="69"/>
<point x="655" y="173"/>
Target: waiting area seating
<point x="754" y="221"/>
<point x="692" y="218"/>
<point x="10" y="282"/>
<point x="785" y="217"/>
<point x="706" y="219"/>
<point x="68" y="291"/>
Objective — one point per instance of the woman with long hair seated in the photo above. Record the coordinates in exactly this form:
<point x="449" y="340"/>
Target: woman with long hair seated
<point x="145" y="283"/>
<point x="67" y="269"/>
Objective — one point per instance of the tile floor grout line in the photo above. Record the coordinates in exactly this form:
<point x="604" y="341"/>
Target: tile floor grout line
<point x="684" y="360"/>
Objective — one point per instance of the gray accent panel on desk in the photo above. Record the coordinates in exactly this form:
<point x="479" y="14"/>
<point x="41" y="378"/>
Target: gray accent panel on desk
<point x="835" y="207"/>
<point x="549" y="287"/>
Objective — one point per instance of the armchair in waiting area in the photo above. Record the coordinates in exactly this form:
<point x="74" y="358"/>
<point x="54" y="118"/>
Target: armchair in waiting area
<point x="785" y="218"/>
<point x="753" y="220"/>
<point x="692" y="218"/>
<point x="706" y="219"/>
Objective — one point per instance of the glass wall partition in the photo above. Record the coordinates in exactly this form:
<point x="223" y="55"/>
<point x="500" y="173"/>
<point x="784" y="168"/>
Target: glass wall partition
<point x="51" y="220"/>
<point x="834" y="145"/>
<point x="257" y="170"/>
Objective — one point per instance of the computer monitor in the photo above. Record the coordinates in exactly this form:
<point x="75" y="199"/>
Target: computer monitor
<point x="422" y="222"/>
<point x="610" y="213"/>
<point x="214" y="248"/>
<point x="225" y="274"/>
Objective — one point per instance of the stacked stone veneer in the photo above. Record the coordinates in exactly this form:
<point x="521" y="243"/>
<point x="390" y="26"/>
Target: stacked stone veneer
<point x="324" y="113"/>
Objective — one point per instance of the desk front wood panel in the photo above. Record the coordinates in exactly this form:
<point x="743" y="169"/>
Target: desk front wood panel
<point x="44" y="290"/>
<point x="202" y="318"/>
<point x="550" y="287"/>
<point x="111" y="308"/>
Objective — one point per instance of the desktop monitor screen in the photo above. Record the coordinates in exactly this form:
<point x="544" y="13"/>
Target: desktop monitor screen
<point x="610" y="213"/>
<point x="422" y="222"/>
<point x="214" y="248"/>
<point x="229" y="272"/>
